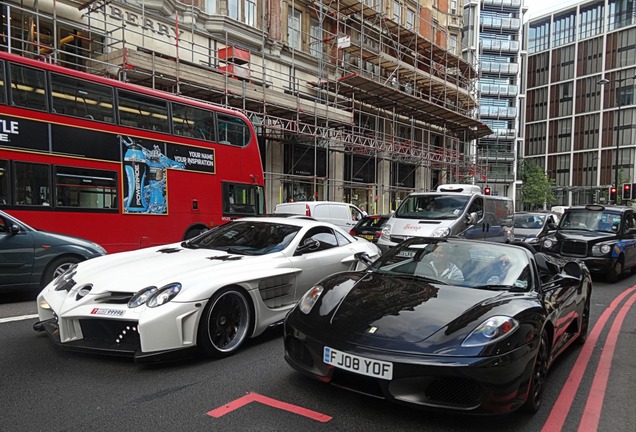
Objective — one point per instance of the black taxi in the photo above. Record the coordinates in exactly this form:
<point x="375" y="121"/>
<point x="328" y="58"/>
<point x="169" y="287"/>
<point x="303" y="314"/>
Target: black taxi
<point x="603" y="237"/>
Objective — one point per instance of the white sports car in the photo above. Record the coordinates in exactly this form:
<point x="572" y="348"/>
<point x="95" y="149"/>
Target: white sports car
<point x="210" y="292"/>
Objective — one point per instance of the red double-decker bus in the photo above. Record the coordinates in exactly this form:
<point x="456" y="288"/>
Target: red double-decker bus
<point x="119" y="164"/>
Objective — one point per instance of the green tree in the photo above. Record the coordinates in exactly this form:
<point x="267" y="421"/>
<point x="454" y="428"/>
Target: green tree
<point x="538" y="188"/>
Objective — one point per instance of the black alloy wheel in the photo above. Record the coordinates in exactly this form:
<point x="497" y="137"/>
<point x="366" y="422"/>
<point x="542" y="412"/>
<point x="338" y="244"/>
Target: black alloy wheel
<point x="225" y="323"/>
<point x="585" y="321"/>
<point x="539" y="377"/>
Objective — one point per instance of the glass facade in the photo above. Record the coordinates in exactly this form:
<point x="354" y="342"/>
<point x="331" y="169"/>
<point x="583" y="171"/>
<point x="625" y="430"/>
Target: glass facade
<point x="500" y="58"/>
<point x="580" y="107"/>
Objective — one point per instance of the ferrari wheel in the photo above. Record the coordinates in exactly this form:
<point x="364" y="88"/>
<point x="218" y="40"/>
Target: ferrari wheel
<point x="539" y="376"/>
<point x="225" y="323"/>
<point x="585" y="321"/>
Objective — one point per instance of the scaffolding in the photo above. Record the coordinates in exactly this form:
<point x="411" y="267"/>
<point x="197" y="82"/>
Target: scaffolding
<point x="359" y="83"/>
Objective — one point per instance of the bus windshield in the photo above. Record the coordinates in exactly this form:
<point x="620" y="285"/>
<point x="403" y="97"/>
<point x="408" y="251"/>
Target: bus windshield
<point x="433" y="206"/>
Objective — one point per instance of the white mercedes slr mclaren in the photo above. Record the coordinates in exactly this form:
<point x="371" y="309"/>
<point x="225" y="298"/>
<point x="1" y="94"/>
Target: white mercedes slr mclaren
<point x="209" y="293"/>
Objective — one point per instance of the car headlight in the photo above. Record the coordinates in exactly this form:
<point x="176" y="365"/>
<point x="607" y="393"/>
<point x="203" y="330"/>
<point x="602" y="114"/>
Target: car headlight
<point x="164" y="295"/>
<point x="548" y="243"/>
<point x="310" y="298"/>
<point x="441" y="232"/>
<point x="491" y="330"/>
<point x="141" y="297"/>
<point x="386" y="232"/>
<point x="602" y="249"/>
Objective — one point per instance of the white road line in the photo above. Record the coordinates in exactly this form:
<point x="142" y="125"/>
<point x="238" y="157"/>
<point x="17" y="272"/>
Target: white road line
<point x="18" y="318"/>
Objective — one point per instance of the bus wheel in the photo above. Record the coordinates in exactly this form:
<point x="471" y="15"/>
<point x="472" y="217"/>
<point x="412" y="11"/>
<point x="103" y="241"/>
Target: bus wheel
<point x="57" y="267"/>
<point x="193" y="232"/>
<point x="225" y="323"/>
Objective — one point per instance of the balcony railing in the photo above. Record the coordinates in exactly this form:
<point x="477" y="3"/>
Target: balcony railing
<point x="500" y="45"/>
<point x="497" y="112"/>
<point x="502" y="23"/>
<point x="499" y="68"/>
<point x="498" y="89"/>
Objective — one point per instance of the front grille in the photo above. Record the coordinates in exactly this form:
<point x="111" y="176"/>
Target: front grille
<point x="454" y="391"/>
<point x="111" y="334"/>
<point x="114" y="297"/>
<point x="298" y="351"/>
<point x="574" y="248"/>
<point x="357" y="383"/>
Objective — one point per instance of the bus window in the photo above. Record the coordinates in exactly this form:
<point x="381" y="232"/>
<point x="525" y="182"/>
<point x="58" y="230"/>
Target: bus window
<point x="32" y="184"/>
<point x="79" y="98"/>
<point x="27" y="87"/>
<point x="5" y="175"/>
<point x="233" y="131"/>
<point x="193" y="122"/>
<point x="242" y="199"/>
<point x="3" y="87"/>
<point x="85" y="188"/>
<point x="143" y="112"/>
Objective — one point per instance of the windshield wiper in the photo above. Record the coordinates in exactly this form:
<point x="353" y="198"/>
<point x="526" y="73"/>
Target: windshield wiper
<point x="415" y="277"/>
<point x="188" y="245"/>
<point x="498" y="287"/>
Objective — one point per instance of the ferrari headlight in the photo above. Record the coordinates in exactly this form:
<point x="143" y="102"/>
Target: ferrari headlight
<point x="441" y="232"/>
<point x="164" y="295"/>
<point x="491" y="330"/>
<point x="309" y="299"/>
<point x="141" y="297"/>
<point x="602" y="249"/>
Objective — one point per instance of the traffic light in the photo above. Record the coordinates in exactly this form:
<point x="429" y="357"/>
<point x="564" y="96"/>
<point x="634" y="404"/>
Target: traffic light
<point x="612" y="194"/>
<point x="627" y="191"/>
<point x="486" y="190"/>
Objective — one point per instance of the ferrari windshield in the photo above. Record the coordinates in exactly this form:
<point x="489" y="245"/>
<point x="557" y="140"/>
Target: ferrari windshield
<point x="246" y="238"/>
<point x="432" y="206"/>
<point x="461" y="263"/>
<point x="591" y="220"/>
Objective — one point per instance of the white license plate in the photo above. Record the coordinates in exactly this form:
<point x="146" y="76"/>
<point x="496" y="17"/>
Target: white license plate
<point x="357" y="364"/>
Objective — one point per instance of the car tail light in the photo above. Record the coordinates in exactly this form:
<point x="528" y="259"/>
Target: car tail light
<point x="307" y="210"/>
<point x="352" y="232"/>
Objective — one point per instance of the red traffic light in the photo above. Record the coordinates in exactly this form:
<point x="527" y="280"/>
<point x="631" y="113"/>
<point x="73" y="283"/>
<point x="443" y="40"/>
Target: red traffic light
<point x="612" y="194"/>
<point x="486" y="191"/>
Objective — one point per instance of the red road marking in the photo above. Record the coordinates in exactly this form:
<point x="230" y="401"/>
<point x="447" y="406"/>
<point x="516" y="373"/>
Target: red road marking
<point x="560" y="409"/>
<point x="255" y="397"/>
<point x="592" y="412"/>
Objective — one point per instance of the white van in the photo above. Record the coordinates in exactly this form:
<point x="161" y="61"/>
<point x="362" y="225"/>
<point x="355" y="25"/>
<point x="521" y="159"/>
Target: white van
<point x="341" y="214"/>
<point x="453" y="210"/>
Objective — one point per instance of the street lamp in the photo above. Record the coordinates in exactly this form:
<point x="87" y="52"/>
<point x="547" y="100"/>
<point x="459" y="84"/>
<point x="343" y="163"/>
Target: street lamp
<point x="602" y="82"/>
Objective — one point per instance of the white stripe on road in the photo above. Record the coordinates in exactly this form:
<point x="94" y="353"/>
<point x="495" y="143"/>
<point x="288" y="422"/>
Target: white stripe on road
<point x="18" y="318"/>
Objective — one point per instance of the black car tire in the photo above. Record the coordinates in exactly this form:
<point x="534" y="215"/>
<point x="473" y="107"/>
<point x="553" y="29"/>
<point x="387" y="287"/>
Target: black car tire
<point x="225" y="324"/>
<point x="585" y="321"/>
<point x="539" y="376"/>
<point x="58" y="266"/>
<point x="616" y="271"/>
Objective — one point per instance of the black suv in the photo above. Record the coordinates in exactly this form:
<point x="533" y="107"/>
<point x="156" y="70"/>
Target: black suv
<point x="603" y="237"/>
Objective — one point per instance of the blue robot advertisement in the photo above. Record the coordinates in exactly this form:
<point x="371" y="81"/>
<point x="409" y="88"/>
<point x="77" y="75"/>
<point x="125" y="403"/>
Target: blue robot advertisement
<point x="145" y="177"/>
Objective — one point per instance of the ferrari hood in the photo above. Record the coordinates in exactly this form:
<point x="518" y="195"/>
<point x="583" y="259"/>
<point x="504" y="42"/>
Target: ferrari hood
<point x="406" y="310"/>
<point x="158" y="266"/>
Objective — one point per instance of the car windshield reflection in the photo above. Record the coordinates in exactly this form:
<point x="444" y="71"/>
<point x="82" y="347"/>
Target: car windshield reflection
<point x="461" y="263"/>
<point x="246" y="238"/>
